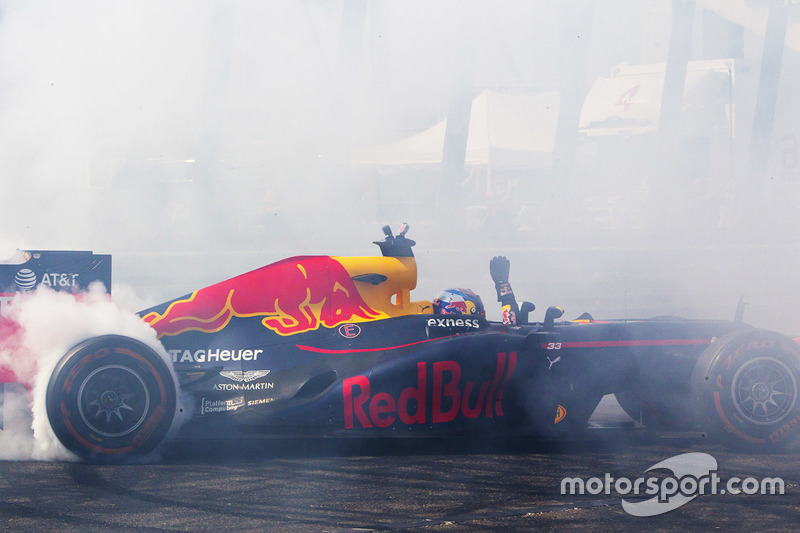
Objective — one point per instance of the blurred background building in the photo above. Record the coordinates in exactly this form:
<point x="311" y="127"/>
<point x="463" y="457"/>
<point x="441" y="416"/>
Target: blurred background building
<point x="524" y="121"/>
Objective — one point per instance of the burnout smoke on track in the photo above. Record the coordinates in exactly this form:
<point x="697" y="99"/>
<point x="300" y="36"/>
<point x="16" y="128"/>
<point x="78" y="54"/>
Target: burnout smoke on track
<point x="49" y="324"/>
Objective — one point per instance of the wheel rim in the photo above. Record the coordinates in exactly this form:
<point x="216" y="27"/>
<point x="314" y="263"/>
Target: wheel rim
<point x="764" y="391"/>
<point x="113" y="401"/>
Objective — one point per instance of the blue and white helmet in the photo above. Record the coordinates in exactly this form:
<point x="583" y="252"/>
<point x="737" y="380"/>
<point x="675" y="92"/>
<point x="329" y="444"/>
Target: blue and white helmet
<point x="458" y="302"/>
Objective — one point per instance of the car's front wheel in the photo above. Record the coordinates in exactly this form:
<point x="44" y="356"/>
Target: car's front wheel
<point x="109" y="398"/>
<point x="746" y="387"/>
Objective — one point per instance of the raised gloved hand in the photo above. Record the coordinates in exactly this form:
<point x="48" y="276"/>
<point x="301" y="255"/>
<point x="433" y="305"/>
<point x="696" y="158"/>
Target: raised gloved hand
<point x="499" y="268"/>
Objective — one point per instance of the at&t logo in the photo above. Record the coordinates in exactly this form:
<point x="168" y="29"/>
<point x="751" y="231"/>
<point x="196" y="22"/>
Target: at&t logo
<point x="25" y="279"/>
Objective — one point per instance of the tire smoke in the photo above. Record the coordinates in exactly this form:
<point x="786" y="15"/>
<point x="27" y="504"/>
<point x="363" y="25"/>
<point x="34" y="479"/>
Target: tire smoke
<point x="45" y="324"/>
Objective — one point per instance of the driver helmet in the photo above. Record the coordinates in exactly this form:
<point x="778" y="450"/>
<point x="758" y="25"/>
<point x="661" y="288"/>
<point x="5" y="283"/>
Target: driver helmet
<point x="458" y="302"/>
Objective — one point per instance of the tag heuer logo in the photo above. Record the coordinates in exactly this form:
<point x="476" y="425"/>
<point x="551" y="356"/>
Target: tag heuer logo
<point x="248" y="376"/>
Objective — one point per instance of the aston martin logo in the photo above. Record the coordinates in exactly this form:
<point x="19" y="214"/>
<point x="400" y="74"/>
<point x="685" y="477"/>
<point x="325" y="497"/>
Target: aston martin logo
<point x="247" y="376"/>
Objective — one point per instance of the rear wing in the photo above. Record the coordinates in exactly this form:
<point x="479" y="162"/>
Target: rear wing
<point x="59" y="270"/>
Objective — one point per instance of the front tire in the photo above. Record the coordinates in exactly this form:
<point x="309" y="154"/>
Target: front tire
<point x="109" y="398"/>
<point x="747" y="389"/>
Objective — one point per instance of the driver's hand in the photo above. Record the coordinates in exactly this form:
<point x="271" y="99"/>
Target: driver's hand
<point x="499" y="267"/>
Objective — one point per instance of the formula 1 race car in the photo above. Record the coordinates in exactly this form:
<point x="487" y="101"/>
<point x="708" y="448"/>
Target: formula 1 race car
<point x="335" y="347"/>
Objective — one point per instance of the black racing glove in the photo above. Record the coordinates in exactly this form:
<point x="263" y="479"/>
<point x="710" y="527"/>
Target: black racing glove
<point x="499" y="268"/>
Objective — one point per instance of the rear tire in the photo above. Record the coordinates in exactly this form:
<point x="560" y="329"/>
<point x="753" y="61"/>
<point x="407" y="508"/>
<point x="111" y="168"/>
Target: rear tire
<point x="746" y="387"/>
<point x="110" y="398"/>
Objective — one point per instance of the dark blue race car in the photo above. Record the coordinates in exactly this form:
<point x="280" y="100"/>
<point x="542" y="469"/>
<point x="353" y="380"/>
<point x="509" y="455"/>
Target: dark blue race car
<point x="335" y="347"/>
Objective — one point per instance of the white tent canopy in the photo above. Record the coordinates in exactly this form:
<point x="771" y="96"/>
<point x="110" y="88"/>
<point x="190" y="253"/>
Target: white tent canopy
<point x="629" y="102"/>
<point x="504" y="130"/>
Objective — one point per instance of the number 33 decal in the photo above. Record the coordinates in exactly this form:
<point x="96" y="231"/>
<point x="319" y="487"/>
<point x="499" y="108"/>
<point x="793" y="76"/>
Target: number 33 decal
<point x="553" y="346"/>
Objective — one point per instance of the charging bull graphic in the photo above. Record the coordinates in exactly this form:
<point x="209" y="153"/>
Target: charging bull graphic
<point x="292" y="296"/>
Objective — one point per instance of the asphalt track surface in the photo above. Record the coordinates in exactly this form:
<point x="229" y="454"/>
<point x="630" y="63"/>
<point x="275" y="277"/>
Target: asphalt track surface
<point x="229" y="485"/>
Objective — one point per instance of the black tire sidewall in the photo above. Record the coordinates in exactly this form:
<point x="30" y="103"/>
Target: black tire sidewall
<point x="74" y="369"/>
<point x="712" y="383"/>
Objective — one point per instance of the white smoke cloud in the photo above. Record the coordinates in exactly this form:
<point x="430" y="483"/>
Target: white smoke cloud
<point x="180" y="136"/>
<point x="50" y="323"/>
<point x="195" y="140"/>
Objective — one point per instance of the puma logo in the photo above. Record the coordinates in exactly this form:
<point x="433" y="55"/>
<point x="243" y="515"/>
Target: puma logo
<point x="554" y="361"/>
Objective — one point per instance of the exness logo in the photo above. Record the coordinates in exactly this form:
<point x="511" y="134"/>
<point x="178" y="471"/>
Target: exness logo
<point x="693" y="474"/>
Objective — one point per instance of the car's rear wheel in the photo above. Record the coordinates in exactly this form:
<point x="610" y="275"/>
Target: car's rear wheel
<point x="110" y="398"/>
<point x="746" y="387"/>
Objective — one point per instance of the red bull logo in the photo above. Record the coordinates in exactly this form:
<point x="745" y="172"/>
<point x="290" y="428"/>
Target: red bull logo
<point x="450" y="397"/>
<point x="291" y="296"/>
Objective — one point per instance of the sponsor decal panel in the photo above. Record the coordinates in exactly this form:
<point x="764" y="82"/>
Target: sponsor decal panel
<point x="214" y="355"/>
<point x="246" y="376"/>
<point x="244" y="381"/>
<point x="27" y="280"/>
<point x="349" y="331"/>
<point x="451" y="396"/>
<point x="454" y="323"/>
<point x="60" y="279"/>
<point x="260" y="401"/>
<point x="243" y="386"/>
<point x="561" y="414"/>
<point x="211" y="405"/>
